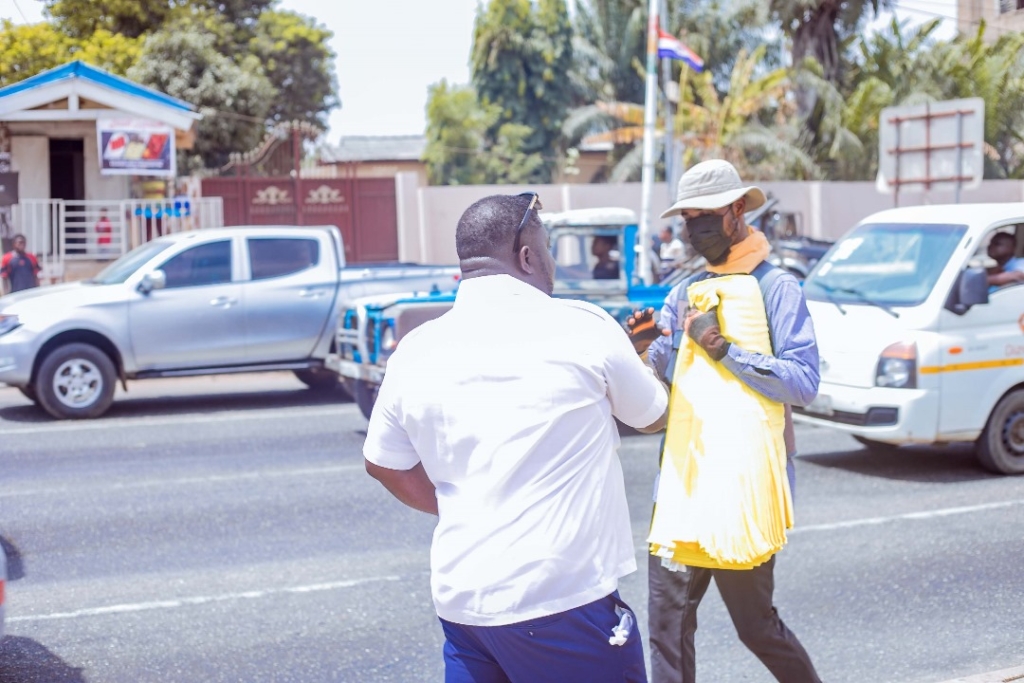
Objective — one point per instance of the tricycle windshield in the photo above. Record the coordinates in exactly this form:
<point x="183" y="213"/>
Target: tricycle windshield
<point x="122" y="269"/>
<point x="588" y="256"/>
<point x="884" y="264"/>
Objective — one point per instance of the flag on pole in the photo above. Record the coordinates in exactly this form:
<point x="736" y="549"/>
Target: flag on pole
<point x="672" y="48"/>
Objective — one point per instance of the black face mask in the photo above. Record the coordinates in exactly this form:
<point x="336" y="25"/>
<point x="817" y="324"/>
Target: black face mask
<point x="706" y="235"/>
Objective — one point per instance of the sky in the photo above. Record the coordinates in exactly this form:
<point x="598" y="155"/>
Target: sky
<point x="389" y="53"/>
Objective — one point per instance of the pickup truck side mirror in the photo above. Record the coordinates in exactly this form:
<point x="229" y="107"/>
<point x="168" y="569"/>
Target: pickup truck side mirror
<point x="156" y="279"/>
<point x="971" y="289"/>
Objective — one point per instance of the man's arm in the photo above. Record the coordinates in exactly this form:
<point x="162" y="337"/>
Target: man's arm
<point x="638" y="398"/>
<point x="390" y="455"/>
<point x="412" y="487"/>
<point x="792" y="375"/>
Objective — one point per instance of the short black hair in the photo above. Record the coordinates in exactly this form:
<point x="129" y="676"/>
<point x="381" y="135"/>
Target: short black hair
<point x="488" y="226"/>
<point x="19" y="236"/>
<point x="1003" y="235"/>
<point x="610" y="240"/>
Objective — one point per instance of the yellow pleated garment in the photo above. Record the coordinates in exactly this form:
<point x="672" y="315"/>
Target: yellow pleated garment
<point x="723" y="498"/>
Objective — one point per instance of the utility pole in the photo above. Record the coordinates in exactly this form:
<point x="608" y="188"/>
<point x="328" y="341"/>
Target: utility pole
<point x="650" y="115"/>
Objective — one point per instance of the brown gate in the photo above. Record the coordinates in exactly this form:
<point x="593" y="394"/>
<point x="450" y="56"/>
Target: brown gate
<point x="260" y="194"/>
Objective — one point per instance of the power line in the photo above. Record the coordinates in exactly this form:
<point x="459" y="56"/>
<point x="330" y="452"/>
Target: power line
<point x="18" y="8"/>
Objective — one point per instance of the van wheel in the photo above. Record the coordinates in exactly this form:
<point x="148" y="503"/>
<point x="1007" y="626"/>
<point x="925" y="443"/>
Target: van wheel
<point x="366" y="396"/>
<point x="76" y="381"/>
<point x="1000" y="448"/>
<point x="873" y="445"/>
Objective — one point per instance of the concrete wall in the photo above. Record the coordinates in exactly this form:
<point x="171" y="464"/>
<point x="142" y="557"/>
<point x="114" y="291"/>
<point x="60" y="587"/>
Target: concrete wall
<point x="971" y="12"/>
<point x="30" y="157"/>
<point x="427" y="216"/>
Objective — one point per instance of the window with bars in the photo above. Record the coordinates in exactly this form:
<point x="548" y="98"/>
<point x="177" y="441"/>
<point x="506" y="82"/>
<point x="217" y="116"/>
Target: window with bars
<point x="1010" y="6"/>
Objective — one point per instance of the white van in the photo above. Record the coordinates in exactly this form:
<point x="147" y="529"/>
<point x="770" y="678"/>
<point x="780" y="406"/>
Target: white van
<point x="915" y="345"/>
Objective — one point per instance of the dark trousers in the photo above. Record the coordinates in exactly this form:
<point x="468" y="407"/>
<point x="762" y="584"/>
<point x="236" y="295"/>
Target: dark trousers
<point x="569" y="647"/>
<point x="747" y="594"/>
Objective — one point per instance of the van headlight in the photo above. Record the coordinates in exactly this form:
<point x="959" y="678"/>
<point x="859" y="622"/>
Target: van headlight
<point x="8" y="323"/>
<point x="897" y="366"/>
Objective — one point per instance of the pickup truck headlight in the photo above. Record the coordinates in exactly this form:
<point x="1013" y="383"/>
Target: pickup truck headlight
<point x="388" y="340"/>
<point x="8" y="323"/>
<point x="897" y="366"/>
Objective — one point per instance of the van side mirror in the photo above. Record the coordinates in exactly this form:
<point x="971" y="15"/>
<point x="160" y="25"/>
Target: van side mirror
<point x="971" y="289"/>
<point x="156" y="279"/>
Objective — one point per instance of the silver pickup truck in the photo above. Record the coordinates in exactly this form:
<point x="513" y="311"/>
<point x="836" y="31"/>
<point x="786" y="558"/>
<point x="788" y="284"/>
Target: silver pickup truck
<point x="226" y="300"/>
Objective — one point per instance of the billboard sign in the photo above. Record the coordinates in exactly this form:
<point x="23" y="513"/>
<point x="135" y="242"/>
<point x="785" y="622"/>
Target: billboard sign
<point x="135" y="147"/>
<point x="931" y="146"/>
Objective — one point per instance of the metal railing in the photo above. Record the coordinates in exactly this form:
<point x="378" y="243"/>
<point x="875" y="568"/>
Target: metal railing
<point x="59" y="230"/>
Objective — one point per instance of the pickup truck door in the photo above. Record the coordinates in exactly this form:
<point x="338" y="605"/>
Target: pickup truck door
<point x="196" y="320"/>
<point x="288" y="297"/>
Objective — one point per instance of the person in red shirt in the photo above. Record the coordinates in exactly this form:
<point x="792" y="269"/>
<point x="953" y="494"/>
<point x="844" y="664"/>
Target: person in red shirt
<point x="19" y="269"/>
<point x="104" y="233"/>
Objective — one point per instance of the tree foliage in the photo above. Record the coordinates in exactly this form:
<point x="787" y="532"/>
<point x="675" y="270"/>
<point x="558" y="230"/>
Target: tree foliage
<point x="242" y="62"/>
<point x="463" y="150"/>
<point x="521" y="54"/>
<point x="234" y="96"/>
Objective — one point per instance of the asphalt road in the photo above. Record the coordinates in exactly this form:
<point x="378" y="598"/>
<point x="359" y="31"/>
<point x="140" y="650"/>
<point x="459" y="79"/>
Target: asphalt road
<point x="223" y="529"/>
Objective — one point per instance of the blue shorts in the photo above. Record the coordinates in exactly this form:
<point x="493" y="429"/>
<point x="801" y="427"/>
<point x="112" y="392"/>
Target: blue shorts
<point x="562" y="648"/>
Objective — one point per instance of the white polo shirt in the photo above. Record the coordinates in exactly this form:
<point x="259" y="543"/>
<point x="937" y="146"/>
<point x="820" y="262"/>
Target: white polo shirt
<point x="507" y="400"/>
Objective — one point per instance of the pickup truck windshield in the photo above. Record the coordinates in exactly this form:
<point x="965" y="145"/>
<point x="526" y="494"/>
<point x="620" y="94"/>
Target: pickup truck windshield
<point x="121" y="269"/>
<point x="884" y="264"/>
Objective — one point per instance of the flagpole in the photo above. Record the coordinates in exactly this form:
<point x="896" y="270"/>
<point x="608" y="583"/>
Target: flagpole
<point x="647" y="173"/>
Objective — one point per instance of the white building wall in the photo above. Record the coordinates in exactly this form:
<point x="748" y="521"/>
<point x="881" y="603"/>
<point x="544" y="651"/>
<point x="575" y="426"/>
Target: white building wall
<point x="31" y="158"/>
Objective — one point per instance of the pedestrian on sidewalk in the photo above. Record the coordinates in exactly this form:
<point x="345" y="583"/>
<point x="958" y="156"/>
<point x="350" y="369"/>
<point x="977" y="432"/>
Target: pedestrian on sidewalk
<point x="19" y="270"/>
<point x="712" y="200"/>
<point x="497" y="417"/>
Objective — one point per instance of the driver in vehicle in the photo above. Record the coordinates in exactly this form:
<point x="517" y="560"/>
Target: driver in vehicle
<point x="606" y="268"/>
<point x="1009" y="270"/>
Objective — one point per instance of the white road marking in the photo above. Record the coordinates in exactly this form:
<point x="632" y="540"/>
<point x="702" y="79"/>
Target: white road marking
<point x="182" y="419"/>
<point x="197" y="600"/>
<point x="79" y="486"/>
<point x="926" y="514"/>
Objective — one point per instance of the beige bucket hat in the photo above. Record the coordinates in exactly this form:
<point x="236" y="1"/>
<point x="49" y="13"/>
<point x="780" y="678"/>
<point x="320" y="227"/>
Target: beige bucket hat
<point x="712" y="185"/>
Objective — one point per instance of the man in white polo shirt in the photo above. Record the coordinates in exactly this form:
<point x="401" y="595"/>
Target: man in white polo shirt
<point x="497" y="417"/>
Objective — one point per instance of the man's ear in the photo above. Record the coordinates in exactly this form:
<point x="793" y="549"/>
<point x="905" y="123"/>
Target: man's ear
<point x="525" y="260"/>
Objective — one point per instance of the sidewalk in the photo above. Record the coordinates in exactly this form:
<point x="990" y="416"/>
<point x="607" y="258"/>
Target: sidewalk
<point x="1003" y="676"/>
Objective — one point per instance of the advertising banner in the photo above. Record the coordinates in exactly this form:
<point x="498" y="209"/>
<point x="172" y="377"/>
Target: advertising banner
<point x="135" y="147"/>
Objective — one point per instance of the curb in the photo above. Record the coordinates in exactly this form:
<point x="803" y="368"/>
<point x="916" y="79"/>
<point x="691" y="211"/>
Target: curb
<point x="1002" y="676"/>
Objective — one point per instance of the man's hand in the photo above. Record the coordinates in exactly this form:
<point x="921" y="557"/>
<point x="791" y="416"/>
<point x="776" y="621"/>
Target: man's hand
<point x="703" y="328"/>
<point x="643" y="330"/>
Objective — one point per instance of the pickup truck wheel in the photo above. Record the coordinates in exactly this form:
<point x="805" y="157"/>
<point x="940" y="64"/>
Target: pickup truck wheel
<point x="873" y="445"/>
<point x="366" y="396"/>
<point x="319" y="380"/>
<point x="29" y="392"/>
<point x="1000" y="448"/>
<point x="76" y="381"/>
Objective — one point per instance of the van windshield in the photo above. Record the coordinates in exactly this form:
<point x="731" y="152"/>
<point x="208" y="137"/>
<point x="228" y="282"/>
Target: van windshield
<point x="121" y="269"/>
<point x="884" y="264"/>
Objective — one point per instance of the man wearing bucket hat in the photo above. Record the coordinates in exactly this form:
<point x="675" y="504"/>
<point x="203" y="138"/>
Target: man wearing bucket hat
<point x="712" y="200"/>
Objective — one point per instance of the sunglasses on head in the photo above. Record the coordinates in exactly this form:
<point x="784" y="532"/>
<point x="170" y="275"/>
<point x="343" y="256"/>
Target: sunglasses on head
<point x="534" y="204"/>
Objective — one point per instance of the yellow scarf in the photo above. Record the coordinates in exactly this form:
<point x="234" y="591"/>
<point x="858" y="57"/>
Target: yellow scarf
<point x="745" y="256"/>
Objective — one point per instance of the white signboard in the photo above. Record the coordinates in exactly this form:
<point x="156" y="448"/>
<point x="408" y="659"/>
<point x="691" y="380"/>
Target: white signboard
<point x="932" y="146"/>
<point x="135" y="147"/>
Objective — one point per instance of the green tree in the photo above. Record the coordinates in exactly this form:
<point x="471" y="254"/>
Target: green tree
<point x="296" y="57"/>
<point x="133" y="18"/>
<point x="518" y="62"/>
<point x="28" y="49"/>
<point x="457" y="126"/>
<point x="234" y="97"/>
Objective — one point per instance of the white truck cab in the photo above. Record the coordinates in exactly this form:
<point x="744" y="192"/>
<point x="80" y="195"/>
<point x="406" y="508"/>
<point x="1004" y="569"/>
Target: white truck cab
<point x="915" y="345"/>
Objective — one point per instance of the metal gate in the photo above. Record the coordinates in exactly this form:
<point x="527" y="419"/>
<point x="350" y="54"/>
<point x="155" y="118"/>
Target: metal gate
<point x="362" y="208"/>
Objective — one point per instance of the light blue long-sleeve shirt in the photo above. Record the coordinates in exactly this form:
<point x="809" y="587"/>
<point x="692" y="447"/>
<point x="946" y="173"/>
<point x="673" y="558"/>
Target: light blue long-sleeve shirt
<point x="790" y="376"/>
